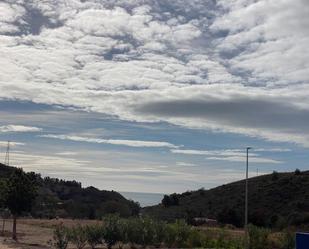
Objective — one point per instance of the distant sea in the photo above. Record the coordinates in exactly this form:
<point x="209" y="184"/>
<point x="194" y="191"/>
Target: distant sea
<point x="144" y="199"/>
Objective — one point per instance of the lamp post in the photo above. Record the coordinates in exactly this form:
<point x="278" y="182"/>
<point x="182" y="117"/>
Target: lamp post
<point x="246" y="202"/>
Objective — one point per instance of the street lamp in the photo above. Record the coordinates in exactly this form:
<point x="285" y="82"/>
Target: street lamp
<point x="246" y="202"/>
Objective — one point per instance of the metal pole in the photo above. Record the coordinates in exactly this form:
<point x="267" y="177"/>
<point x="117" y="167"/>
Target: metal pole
<point x="7" y="155"/>
<point x="246" y="202"/>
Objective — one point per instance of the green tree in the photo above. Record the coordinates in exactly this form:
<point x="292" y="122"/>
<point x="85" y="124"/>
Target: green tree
<point x="166" y="201"/>
<point x="3" y="212"/>
<point x="2" y="193"/>
<point x="20" y="194"/>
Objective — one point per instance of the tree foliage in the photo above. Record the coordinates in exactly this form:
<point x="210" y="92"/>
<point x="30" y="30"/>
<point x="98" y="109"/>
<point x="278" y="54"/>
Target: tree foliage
<point x="20" y="192"/>
<point x="68" y="199"/>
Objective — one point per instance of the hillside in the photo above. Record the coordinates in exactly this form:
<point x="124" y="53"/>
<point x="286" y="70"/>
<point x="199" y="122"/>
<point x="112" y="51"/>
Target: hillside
<point x="278" y="199"/>
<point x="68" y="199"/>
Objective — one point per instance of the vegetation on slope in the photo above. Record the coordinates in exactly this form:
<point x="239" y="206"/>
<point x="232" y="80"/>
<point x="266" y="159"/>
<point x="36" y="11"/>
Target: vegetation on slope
<point x="275" y="200"/>
<point x="67" y="199"/>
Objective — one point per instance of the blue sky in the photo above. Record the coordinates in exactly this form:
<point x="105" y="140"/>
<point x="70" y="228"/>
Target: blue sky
<point x="153" y="95"/>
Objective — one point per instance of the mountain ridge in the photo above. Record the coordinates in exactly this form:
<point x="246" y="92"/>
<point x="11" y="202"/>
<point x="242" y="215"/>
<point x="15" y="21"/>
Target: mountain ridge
<point x="277" y="199"/>
<point x="68" y="199"/>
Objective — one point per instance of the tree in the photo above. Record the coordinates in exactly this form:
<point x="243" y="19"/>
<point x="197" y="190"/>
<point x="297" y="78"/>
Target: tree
<point x="3" y="212"/>
<point x="20" y="194"/>
<point x="170" y="200"/>
<point x="166" y="201"/>
<point x="275" y="176"/>
<point x="2" y="193"/>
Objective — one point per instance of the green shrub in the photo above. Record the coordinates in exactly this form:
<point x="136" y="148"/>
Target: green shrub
<point x="60" y="237"/>
<point x="147" y="232"/>
<point x="78" y="236"/>
<point x="177" y="234"/>
<point x="258" y="237"/>
<point x="132" y="231"/>
<point x="94" y="235"/>
<point x="112" y="230"/>
<point x="142" y="231"/>
<point x="195" y="239"/>
<point x="170" y="236"/>
<point x="159" y="233"/>
<point x="123" y="232"/>
<point x="288" y="240"/>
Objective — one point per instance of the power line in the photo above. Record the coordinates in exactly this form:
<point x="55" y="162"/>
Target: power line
<point x="7" y="155"/>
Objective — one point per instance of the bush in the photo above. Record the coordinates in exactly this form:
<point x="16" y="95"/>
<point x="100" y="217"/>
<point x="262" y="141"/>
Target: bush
<point x="148" y="232"/>
<point x="60" y="237"/>
<point x="288" y="240"/>
<point x="178" y="234"/>
<point x="258" y="237"/>
<point x="159" y="233"/>
<point x="94" y="235"/>
<point x="195" y="239"/>
<point x="78" y="236"/>
<point x="112" y="230"/>
<point x="170" y="236"/>
<point x="144" y="231"/>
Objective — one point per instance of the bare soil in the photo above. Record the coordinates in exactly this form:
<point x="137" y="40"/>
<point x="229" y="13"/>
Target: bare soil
<point x="34" y="233"/>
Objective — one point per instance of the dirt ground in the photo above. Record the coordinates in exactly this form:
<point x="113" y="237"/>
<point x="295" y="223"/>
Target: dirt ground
<point x="33" y="234"/>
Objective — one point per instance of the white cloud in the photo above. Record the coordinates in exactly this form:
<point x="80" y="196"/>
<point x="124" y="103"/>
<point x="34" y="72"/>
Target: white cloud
<point x="12" y="144"/>
<point x="116" y="57"/>
<point x="209" y="152"/>
<point x="185" y="164"/>
<point x="232" y="155"/>
<point x="131" y="143"/>
<point x="271" y="150"/>
<point x="19" y="128"/>
<point x="272" y="36"/>
<point x="243" y="159"/>
<point x="67" y="153"/>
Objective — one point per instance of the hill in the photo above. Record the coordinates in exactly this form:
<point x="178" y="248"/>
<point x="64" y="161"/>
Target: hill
<point x="68" y="199"/>
<point x="277" y="199"/>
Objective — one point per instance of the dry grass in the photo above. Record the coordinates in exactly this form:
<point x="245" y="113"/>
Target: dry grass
<point x="35" y="233"/>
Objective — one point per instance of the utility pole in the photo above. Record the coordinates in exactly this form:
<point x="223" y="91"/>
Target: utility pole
<point x="7" y="155"/>
<point x="246" y="201"/>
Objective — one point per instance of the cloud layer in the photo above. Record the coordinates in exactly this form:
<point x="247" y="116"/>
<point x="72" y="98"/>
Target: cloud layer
<point x="19" y="128"/>
<point x="234" y="155"/>
<point x="232" y="66"/>
<point x="131" y="143"/>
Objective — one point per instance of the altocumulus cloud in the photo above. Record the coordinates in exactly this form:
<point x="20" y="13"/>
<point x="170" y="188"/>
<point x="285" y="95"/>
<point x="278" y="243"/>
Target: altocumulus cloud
<point x="233" y="66"/>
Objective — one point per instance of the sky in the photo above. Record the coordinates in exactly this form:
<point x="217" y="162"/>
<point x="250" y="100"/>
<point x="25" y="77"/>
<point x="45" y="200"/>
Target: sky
<point x="154" y="95"/>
